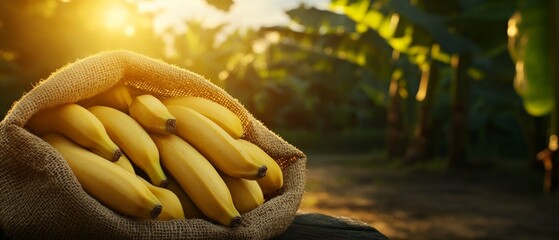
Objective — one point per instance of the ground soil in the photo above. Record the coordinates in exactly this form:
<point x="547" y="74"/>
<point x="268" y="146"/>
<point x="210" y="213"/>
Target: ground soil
<point x="430" y="202"/>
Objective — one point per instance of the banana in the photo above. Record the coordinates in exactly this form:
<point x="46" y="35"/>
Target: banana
<point x="172" y="208"/>
<point x="273" y="181"/>
<point x="78" y="124"/>
<point x="218" y="113"/>
<point x="189" y="208"/>
<point x="125" y="163"/>
<point x="133" y="140"/>
<point x="111" y="185"/>
<point x="117" y="97"/>
<point x="198" y="178"/>
<point x="246" y="194"/>
<point x="215" y="144"/>
<point x="152" y="114"/>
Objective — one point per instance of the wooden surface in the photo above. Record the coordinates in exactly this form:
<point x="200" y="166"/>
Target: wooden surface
<point x="320" y="226"/>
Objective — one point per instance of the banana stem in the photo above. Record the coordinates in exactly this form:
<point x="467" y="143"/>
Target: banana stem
<point x="262" y="172"/>
<point x="116" y="155"/>
<point x="236" y="222"/>
<point x="171" y="125"/>
<point x="156" y="211"/>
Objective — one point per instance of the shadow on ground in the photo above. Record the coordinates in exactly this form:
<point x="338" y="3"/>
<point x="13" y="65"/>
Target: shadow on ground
<point x="424" y="203"/>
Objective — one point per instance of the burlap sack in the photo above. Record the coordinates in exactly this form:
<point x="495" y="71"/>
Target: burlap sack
<point x="41" y="199"/>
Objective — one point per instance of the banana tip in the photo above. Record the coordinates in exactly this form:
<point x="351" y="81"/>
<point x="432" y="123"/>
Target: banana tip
<point x="171" y="125"/>
<point x="117" y="154"/>
<point x="156" y="211"/>
<point x="262" y="172"/>
<point x="235" y="222"/>
<point x="164" y="183"/>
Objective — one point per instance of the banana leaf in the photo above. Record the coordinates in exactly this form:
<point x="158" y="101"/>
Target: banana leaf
<point x="529" y="45"/>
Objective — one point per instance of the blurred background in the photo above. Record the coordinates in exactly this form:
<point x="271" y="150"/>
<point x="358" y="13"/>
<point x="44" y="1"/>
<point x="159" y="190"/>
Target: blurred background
<point x="425" y="119"/>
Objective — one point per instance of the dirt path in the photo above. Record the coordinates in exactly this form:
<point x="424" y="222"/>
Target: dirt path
<point x="430" y="204"/>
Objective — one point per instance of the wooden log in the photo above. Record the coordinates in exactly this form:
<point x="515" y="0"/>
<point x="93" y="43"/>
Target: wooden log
<point x="320" y="226"/>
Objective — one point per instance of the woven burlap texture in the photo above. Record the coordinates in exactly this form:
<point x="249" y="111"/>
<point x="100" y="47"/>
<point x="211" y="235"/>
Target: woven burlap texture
<point x="41" y="199"/>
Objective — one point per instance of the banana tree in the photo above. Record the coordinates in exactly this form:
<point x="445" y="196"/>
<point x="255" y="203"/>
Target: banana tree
<point x="533" y="44"/>
<point x="420" y="30"/>
<point x="417" y="36"/>
<point x="323" y="70"/>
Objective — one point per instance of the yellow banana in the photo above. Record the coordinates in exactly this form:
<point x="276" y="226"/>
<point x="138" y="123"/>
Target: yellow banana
<point x="172" y="208"/>
<point x="111" y="185"/>
<point x="215" y="144"/>
<point x="152" y="114"/>
<point x="273" y="181"/>
<point x="78" y="124"/>
<point x="133" y="140"/>
<point x="117" y="97"/>
<point x="190" y="210"/>
<point x="125" y="163"/>
<point x="246" y="194"/>
<point x="218" y="113"/>
<point x="198" y="178"/>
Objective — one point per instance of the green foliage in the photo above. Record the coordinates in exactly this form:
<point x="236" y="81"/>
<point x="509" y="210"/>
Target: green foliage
<point x="530" y="44"/>
<point x="336" y="35"/>
<point x="317" y="77"/>
<point x="198" y="51"/>
<point x="331" y="70"/>
<point x="327" y="73"/>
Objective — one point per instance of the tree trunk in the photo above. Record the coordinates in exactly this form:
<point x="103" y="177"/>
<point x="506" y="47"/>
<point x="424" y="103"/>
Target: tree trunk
<point x="395" y="134"/>
<point x="420" y="148"/>
<point x="552" y="167"/>
<point x="459" y="129"/>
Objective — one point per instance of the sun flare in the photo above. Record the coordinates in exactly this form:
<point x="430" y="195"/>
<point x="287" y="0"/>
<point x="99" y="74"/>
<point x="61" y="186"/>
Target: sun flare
<point x="116" y="17"/>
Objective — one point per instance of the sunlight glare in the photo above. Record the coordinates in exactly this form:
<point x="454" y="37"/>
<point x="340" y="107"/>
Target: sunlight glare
<point x="394" y="20"/>
<point x="170" y="16"/>
<point x="115" y="17"/>
<point x="553" y="144"/>
<point x="519" y="82"/>
<point x="512" y="29"/>
<point x="423" y="83"/>
<point x="273" y="37"/>
<point x="129" y="30"/>
<point x="260" y="46"/>
<point x="223" y="75"/>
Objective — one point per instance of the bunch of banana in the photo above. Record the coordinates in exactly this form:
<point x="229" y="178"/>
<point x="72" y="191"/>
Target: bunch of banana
<point x="133" y="140"/>
<point x="78" y="124"/>
<point x="216" y="112"/>
<point x="198" y="178"/>
<point x="212" y="172"/>
<point x="113" y="186"/>
<point x="215" y="144"/>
